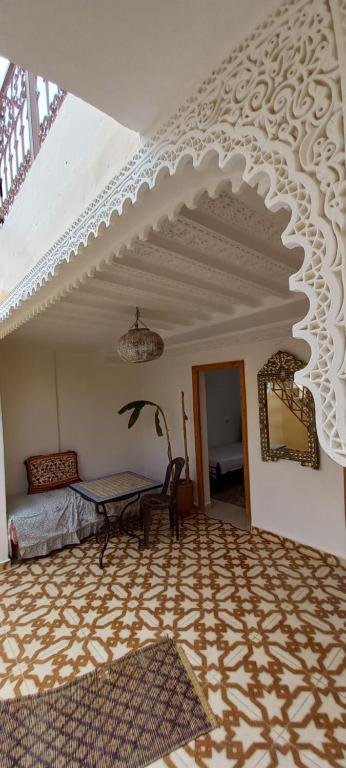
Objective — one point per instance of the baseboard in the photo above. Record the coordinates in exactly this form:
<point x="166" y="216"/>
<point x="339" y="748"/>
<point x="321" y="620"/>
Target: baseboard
<point x="330" y="557"/>
<point x="5" y="566"/>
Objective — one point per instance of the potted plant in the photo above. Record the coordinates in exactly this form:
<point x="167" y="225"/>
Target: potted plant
<point x="136" y="406"/>
<point x="185" y="487"/>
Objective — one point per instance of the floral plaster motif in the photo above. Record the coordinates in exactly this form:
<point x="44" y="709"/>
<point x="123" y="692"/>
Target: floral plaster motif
<point x="275" y="101"/>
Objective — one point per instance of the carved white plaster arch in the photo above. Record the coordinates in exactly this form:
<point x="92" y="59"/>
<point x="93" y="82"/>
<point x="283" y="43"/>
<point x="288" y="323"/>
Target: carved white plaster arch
<point x="276" y="100"/>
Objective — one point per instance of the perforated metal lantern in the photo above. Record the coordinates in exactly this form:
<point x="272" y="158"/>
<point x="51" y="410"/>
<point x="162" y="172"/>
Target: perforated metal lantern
<point x="140" y="345"/>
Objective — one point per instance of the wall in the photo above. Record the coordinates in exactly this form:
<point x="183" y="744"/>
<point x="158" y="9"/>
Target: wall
<point x="63" y="402"/>
<point x="303" y="504"/>
<point x="82" y="151"/>
<point x="134" y="60"/>
<point x="90" y="395"/>
<point x="223" y="406"/>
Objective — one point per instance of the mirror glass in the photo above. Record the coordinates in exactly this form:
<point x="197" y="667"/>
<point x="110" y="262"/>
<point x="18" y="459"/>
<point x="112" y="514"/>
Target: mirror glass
<point x="286" y="429"/>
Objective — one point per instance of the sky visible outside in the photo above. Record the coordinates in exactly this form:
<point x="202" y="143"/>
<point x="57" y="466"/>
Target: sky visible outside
<point x="40" y="85"/>
<point x="3" y="69"/>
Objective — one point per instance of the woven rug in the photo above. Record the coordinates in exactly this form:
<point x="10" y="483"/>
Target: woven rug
<point x="123" y="715"/>
<point x="234" y="493"/>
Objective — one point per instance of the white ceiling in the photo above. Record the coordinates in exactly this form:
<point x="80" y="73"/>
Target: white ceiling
<point x="136" y="60"/>
<point x="217" y="269"/>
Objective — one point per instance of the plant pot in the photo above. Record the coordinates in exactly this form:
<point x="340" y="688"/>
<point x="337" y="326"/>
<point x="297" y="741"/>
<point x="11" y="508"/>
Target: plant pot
<point x="185" y="497"/>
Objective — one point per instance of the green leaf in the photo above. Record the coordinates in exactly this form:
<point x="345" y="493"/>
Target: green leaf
<point x="135" y="404"/>
<point x="129" y="406"/>
<point x="134" y="416"/>
<point x="158" y="423"/>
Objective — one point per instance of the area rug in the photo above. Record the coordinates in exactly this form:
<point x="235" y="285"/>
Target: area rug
<point x="234" y="494"/>
<point x="123" y="715"/>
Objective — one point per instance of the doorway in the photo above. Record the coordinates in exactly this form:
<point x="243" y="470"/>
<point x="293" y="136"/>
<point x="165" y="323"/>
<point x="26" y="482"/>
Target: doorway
<point x="220" y="420"/>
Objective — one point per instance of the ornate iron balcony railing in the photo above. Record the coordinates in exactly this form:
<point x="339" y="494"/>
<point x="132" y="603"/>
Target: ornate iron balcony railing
<point x="28" y="107"/>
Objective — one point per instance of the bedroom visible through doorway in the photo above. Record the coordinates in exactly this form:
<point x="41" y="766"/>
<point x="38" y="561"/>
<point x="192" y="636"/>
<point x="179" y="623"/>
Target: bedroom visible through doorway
<point x="221" y="442"/>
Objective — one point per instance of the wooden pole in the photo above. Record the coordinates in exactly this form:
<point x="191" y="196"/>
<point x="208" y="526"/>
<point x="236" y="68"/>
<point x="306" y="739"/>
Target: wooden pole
<point x="169" y="448"/>
<point x="187" y="464"/>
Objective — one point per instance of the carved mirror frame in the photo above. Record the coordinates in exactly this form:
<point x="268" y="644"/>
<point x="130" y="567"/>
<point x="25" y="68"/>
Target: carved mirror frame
<point x="281" y="367"/>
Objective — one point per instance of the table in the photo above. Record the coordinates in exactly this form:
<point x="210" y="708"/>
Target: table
<point x="118" y="487"/>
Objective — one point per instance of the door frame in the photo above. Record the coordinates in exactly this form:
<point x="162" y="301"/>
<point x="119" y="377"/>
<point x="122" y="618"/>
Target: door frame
<point x="196" y="371"/>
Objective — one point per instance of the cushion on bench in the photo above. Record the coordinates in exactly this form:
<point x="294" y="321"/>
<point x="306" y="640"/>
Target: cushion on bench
<point x="51" y="471"/>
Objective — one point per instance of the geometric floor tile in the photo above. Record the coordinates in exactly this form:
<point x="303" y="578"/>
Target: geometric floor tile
<point x="261" y="619"/>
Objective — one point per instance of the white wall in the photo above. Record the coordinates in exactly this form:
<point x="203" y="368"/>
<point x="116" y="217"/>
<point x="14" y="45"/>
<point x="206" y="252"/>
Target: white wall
<point x="29" y="412"/>
<point x="303" y="504"/>
<point x="80" y="413"/>
<point x="135" y="59"/>
<point x="223" y="406"/>
<point x="82" y="151"/>
<point x="90" y="395"/>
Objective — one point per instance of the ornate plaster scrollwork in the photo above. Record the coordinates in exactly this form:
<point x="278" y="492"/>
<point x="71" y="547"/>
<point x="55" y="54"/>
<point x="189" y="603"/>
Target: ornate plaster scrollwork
<point x="276" y="101"/>
<point x="338" y="9"/>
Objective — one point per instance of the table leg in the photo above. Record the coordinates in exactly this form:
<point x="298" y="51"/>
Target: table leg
<point x="101" y="510"/>
<point x="121" y="519"/>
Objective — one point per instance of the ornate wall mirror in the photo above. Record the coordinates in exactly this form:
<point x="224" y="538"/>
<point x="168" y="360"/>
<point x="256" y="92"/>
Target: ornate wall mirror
<point x="286" y="413"/>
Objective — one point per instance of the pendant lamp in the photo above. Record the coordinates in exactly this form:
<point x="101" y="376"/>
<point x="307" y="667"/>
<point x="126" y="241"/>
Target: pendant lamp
<point x="140" y="344"/>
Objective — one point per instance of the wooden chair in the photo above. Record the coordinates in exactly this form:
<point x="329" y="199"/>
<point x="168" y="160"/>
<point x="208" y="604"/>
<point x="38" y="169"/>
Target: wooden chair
<point x="164" y="501"/>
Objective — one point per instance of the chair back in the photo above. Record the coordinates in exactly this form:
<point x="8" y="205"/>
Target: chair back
<point x="175" y="468"/>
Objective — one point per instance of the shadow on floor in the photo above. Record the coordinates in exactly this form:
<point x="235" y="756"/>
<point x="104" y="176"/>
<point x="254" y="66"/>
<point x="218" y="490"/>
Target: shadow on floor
<point x="228" y="513"/>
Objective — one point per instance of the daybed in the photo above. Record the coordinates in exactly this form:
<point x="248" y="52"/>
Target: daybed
<point x="51" y="515"/>
<point x="41" y="522"/>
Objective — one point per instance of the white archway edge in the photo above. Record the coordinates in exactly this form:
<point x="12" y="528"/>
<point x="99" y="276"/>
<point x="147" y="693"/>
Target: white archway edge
<point x="276" y="102"/>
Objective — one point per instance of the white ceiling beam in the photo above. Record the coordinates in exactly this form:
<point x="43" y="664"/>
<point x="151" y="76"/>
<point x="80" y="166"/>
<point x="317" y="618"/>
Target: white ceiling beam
<point x="251" y="268"/>
<point x="95" y="314"/>
<point x="249" y="239"/>
<point x="126" y="311"/>
<point x="139" y="296"/>
<point x="173" y="284"/>
<point x="196" y="267"/>
<point x="150" y="283"/>
<point x="288" y="313"/>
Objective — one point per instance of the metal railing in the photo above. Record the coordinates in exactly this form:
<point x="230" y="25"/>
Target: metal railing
<point x="28" y="107"/>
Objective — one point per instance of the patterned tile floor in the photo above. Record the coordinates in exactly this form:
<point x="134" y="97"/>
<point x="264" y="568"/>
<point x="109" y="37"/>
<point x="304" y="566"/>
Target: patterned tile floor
<point x="261" y="619"/>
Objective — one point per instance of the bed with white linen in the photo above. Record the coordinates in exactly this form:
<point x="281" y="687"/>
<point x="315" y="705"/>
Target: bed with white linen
<point x="225" y="458"/>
